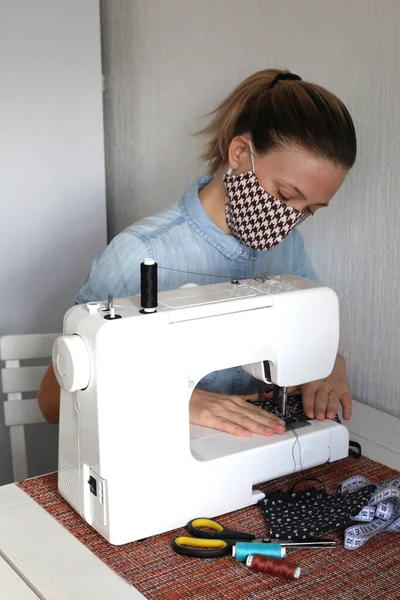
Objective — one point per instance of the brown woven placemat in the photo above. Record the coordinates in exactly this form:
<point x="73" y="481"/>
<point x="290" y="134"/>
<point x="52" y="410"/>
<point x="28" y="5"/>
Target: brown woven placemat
<point x="371" y="572"/>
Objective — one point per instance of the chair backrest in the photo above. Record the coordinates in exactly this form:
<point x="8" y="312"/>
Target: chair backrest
<point x="20" y="377"/>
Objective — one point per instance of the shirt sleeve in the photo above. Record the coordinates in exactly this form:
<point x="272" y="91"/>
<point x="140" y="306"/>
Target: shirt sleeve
<point x="301" y="261"/>
<point x="116" y="272"/>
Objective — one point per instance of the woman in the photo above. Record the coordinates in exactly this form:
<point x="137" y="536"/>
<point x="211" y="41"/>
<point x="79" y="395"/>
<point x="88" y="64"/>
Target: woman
<point x="279" y="150"/>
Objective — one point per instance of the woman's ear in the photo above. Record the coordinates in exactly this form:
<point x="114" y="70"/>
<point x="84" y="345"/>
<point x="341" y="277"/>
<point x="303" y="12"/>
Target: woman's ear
<point x="239" y="154"/>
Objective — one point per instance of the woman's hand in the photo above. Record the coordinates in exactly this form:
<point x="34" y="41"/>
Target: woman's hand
<point x="322" y="397"/>
<point x="49" y="396"/>
<point x="232" y="414"/>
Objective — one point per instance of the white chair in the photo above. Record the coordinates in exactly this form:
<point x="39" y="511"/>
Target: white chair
<point x="18" y="379"/>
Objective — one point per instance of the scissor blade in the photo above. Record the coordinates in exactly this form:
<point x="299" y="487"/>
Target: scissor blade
<point x="305" y="544"/>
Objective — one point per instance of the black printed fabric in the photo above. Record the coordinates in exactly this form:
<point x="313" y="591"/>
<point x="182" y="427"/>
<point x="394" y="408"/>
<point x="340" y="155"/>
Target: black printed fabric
<point x="294" y="408"/>
<point x="306" y="514"/>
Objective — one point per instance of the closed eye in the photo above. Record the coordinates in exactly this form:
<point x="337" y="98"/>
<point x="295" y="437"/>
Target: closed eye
<point x="282" y="197"/>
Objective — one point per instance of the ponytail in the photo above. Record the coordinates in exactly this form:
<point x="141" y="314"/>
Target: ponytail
<point x="276" y="107"/>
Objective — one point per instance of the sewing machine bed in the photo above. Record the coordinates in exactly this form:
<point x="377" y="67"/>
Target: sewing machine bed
<point x="209" y="444"/>
<point x="153" y="568"/>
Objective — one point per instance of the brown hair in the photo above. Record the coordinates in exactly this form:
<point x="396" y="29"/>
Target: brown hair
<point x="277" y="112"/>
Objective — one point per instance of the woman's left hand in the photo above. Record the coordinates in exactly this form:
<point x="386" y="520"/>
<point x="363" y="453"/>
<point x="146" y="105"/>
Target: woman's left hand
<point x="322" y="397"/>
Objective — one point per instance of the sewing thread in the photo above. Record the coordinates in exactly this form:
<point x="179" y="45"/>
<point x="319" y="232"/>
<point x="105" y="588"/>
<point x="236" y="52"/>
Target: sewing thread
<point x="148" y="285"/>
<point x="273" y="566"/>
<point x="242" y="550"/>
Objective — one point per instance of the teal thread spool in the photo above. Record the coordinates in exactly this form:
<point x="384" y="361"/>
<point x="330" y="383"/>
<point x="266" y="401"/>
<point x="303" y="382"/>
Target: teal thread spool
<point x="244" y="549"/>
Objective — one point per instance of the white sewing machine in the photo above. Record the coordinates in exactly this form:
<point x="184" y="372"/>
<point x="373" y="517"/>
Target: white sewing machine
<point x="129" y="462"/>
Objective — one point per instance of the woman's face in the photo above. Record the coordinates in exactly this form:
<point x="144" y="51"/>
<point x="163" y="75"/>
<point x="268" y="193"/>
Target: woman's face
<point x="292" y="174"/>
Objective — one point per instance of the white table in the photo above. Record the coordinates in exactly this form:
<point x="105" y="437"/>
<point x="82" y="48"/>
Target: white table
<point x="39" y="559"/>
<point x="12" y="586"/>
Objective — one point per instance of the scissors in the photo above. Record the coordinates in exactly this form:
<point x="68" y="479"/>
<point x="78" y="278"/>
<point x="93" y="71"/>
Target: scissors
<point x="209" y="544"/>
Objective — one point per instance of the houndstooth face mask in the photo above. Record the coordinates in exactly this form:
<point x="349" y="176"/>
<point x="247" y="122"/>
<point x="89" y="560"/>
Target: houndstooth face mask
<point x="256" y="218"/>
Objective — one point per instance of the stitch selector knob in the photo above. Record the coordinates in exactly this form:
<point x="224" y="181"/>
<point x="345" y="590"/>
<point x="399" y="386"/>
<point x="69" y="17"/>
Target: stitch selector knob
<point x="71" y="362"/>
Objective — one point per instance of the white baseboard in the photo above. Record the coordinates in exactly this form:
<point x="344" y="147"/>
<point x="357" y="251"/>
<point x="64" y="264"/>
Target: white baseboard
<point x="377" y="432"/>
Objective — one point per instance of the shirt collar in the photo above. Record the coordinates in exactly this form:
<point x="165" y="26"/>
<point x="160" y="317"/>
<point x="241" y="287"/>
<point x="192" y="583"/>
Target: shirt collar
<point x="199" y="220"/>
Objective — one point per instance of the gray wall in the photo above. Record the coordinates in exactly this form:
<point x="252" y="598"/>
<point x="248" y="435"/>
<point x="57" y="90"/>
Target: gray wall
<point x="169" y="62"/>
<point x="52" y="189"/>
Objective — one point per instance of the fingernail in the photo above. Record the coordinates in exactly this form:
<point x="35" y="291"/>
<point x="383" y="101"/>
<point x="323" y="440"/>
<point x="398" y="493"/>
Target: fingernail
<point x="268" y="430"/>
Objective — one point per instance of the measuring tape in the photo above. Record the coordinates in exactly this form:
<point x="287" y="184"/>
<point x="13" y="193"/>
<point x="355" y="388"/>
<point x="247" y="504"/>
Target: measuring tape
<point x="381" y="514"/>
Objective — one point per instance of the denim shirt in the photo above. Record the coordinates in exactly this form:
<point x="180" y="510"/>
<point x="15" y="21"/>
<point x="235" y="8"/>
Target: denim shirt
<point x="190" y="248"/>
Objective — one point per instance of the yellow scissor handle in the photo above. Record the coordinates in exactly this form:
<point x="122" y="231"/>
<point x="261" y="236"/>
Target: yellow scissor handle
<point x="199" y="542"/>
<point x="214" y="525"/>
<point x="208" y="528"/>
<point x="201" y="547"/>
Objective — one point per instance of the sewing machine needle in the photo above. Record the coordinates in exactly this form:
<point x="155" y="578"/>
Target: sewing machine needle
<point x="284" y="401"/>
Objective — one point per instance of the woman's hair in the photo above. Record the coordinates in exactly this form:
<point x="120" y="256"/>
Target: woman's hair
<point x="276" y="112"/>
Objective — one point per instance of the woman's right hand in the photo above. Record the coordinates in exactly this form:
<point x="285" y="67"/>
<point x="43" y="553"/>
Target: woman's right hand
<point x="232" y="414"/>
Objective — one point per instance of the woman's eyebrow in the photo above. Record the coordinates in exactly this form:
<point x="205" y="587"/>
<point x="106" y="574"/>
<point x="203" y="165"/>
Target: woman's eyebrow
<point x="294" y="187"/>
<point x="300" y="193"/>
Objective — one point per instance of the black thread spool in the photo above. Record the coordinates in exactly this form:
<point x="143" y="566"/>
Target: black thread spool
<point x="148" y="285"/>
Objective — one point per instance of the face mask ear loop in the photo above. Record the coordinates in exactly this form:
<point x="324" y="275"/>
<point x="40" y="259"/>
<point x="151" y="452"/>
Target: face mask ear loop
<point x="252" y="156"/>
<point x="229" y="171"/>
